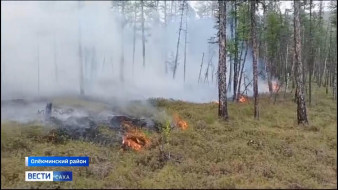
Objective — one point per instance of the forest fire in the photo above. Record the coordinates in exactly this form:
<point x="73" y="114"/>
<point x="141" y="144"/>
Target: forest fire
<point x="242" y="99"/>
<point x="180" y="122"/>
<point x="134" y="138"/>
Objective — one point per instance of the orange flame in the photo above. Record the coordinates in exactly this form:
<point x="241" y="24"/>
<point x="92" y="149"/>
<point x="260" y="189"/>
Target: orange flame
<point x="134" y="138"/>
<point x="180" y="122"/>
<point x="242" y="99"/>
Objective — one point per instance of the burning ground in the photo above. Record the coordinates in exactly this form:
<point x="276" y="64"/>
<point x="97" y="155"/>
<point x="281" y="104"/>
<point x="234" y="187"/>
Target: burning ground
<point x="163" y="143"/>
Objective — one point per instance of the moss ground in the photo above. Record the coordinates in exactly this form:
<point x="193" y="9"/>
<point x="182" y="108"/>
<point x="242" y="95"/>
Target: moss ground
<point x="273" y="152"/>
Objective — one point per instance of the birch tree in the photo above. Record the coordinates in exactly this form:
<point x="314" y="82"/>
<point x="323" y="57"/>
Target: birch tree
<point x="300" y="99"/>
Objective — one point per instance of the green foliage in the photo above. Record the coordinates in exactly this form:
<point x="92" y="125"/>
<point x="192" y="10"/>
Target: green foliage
<point x="243" y="27"/>
<point x="231" y="46"/>
<point x="166" y="131"/>
<point x="272" y="33"/>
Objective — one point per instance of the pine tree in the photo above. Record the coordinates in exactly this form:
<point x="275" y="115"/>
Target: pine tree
<point x="222" y="68"/>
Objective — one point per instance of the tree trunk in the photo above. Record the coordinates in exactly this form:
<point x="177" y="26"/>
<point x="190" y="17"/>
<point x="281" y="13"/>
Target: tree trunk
<point x="239" y="69"/>
<point x="199" y="76"/>
<point x="165" y="30"/>
<point x="335" y="84"/>
<point x="323" y="74"/>
<point x="134" y="38"/>
<point x="254" y="58"/>
<point x="55" y="61"/>
<point x="268" y="73"/>
<point x="241" y="74"/>
<point x="122" y="47"/>
<point x="38" y="62"/>
<point x="301" y="107"/>
<point x="311" y="58"/>
<point x="236" y="62"/>
<point x="143" y="37"/>
<point x="171" y="10"/>
<point x="230" y="56"/>
<point x="80" y="57"/>
<point x="185" y="42"/>
<point x="222" y="67"/>
<point x="178" y="41"/>
<point x="286" y="76"/>
<point x="48" y="112"/>
<point x="165" y="13"/>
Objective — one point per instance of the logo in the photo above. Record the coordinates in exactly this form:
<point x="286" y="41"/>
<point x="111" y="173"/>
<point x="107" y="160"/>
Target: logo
<point x="55" y="161"/>
<point x="49" y="176"/>
<point x="62" y="176"/>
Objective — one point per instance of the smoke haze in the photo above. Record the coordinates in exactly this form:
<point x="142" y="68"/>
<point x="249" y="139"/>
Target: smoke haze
<point x="40" y="54"/>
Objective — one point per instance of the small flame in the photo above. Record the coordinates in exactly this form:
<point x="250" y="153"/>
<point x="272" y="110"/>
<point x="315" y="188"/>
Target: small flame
<point x="180" y="122"/>
<point x="134" y="138"/>
<point x="242" y="99"/>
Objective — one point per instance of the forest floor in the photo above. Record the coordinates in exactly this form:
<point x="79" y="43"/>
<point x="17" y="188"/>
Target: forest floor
<point x="273" y="152"/>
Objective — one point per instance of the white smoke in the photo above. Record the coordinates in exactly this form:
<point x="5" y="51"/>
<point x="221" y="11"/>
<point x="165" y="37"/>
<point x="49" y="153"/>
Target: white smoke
<point x="52" y="28"/>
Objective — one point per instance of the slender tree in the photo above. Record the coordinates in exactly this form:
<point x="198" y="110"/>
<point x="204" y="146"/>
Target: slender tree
<point x="134" y="34"/>
<point x="38" y="61"/>
<point x="80" y="54"/>
<point x="236" y="62"/>
<point x="311" y="56"/>
<point x="222" y="68"/>
<point x="199" y="76"/>
<point x="185" y="39"/>
<point x="178" y="40"/>
<point x="122" y="43"/>
<point x="55" y="61"/>
<point x="301" y="107"/>
<point x="143" y="37"/>
<point x="254" y="58"/>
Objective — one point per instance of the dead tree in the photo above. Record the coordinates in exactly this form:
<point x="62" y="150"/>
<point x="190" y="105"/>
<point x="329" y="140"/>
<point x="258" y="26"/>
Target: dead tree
<point x="55" y="61"/>
<point x="222" y="67"/>
<point x="165" y="26"/>
<point x="122" y="43"/>
<point x="165" y="13"/>
<point x="38" y="62"/>
<point x="103" y="63"/>
<point x="143" y="37"/>
<point x="241" y="74"/>
<point x="80" y="55"/>
<point x="185" y="40"/>
<point x="178" y="40"/>
<point x="301" y="107"/>
<point x="48" y="111"/>
<point x="213" y="72"/>
<point x="206" y="76"/>
<point x="134" y="35"/>
<point x="199" y="76"/>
